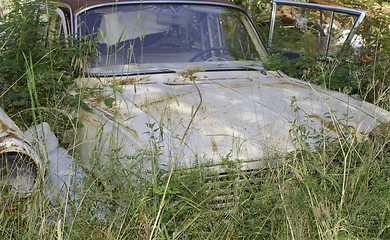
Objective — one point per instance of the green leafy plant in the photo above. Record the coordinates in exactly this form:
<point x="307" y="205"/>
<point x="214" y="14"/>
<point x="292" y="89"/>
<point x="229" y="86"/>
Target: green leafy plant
<point x="26" y="33"/>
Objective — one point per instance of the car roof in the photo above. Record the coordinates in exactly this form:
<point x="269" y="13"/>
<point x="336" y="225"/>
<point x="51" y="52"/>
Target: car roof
<point x="77" y="5"/>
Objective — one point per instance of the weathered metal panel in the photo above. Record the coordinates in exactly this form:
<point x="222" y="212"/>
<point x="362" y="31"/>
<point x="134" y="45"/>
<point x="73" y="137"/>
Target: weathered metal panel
<point x="244" y="115"/>
<point x="20" y="165"/>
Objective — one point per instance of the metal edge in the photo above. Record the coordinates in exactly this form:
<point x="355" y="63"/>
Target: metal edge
<point x="75" y="29"/>
<point x="20" y="146"/>
<point x="321" y="6"/>
<point x="71" y="15"/>
<point x="359" y="13"/>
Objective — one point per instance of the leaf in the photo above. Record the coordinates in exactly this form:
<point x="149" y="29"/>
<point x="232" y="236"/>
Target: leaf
<point x="109" y="101"/>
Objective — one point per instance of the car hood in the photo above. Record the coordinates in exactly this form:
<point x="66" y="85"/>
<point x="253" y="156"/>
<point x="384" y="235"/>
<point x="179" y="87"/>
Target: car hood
<point x="245" y="115"/>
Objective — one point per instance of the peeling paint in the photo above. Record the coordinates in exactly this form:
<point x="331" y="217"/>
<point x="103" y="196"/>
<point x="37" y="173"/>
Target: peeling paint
<point x="20" y="166"/>
<point x="216" y="107"/>
<point x="127" y="80"/>
<point x="214" y="144"/>
<point x="285" y="84"/>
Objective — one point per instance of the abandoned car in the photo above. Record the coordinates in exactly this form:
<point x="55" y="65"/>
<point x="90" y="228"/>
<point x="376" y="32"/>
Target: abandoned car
<point x="188" y="79"/>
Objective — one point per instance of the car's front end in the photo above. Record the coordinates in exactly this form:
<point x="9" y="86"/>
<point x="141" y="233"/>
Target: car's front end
<point x="193" y="73"/>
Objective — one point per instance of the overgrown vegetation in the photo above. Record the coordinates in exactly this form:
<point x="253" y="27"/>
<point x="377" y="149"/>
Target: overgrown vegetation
<point x="36" y="65"/>
<point x="340" y="190"/>
<point x="365" y="75"/>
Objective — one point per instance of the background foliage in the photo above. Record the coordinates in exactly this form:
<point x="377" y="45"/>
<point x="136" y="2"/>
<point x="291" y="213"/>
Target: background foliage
<point x="30" y="63"/>
<point x="366" y="75"/>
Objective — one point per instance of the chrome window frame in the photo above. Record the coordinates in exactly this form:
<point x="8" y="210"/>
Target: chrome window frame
<point x="262" y="50"/>
<point x="220" y="4"/>
<point x="360" y="14"/>
<point x="63" y="22"/>
<point x="71" y="14"/>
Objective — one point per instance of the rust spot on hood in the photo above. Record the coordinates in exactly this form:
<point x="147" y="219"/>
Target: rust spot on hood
<point x="283" y="84"/>
<point x="214" y="144"/>
<point x="157" y="101"/>
<point x="128" y="81"/>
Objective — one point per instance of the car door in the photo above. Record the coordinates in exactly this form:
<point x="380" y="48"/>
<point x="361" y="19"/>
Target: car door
<point x="298" y="28"/>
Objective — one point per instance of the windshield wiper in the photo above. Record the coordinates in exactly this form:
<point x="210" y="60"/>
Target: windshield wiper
<point x="133" y="72"/>
<point x="176" y="70"/>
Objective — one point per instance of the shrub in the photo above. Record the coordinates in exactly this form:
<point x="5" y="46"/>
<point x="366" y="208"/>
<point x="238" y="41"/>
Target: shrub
<point x="29" y="56"/>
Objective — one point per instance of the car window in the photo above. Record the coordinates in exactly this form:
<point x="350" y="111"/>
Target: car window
<point x="162" y="33"/>
<point x="312" y="28"/>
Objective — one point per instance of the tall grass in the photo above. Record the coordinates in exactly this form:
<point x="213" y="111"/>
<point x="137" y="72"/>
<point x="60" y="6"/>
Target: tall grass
<point x="339" y="190"/>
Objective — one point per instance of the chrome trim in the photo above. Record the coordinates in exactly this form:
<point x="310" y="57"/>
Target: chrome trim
<point x="63" y="22"/>
<point x="329" y="38"/>
<point x="75" y="29"/>
<point x="159" y="2"/>
<point x="272" y="24"/>
<point x="321" y="6"/>
<point x="64" y="5"/>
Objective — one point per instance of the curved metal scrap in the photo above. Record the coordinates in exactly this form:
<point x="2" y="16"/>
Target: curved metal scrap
<point x="20" y="165"/>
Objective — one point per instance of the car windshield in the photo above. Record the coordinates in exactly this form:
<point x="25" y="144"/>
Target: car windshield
<point x="153" y="37"/>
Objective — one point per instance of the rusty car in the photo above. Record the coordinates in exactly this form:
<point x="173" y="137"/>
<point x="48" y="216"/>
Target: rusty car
<point x="189" y="80"/>
<point x="195" y="70"/>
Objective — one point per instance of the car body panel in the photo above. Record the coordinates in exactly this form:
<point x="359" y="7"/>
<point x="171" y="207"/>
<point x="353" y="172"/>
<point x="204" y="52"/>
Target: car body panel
<point x="245" y="115"/>
<point x="186" y="114"/>
<point x="191" y="112"/>
<point x="20" y="165"/>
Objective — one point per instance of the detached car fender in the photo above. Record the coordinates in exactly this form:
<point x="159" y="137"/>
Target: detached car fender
<point x="20" y="165"/>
